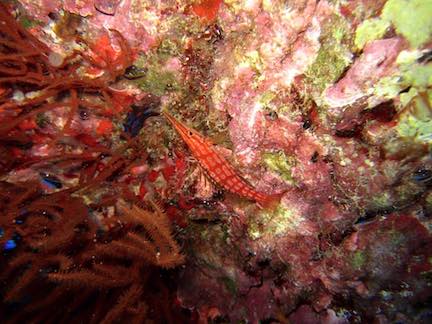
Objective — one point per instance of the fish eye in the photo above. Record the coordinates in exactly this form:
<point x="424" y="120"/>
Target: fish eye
<point x="190" y="133"/>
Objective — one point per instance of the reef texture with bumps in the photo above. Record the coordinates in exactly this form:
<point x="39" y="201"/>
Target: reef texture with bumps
<point x="328" y="102"/>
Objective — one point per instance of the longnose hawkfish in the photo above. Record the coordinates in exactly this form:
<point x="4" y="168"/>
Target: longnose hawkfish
<point x="217" y="167"/>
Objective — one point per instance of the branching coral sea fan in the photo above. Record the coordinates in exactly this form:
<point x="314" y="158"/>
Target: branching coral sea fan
<point x="56" y="251"/>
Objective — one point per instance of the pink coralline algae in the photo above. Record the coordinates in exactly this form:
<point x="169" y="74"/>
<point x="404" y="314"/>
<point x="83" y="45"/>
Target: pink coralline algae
<point x="125" y="16"/>
<point x="377" y="61"/>
<point x="327" y="104"/>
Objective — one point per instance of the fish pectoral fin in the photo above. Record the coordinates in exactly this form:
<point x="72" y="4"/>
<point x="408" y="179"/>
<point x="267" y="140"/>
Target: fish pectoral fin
<point x="204" y="175"/>
<point x="223" y="152"/>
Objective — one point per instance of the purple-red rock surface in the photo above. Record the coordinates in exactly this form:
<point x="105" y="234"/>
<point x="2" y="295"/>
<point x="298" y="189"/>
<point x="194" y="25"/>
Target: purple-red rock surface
<point x="327" y="103"/>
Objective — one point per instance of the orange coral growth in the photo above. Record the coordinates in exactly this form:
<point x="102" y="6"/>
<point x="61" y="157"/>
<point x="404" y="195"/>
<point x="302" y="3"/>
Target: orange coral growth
<point x="207" y="9"/>
<point x="60" y="251"/>
<point x="35" y="84"/>
<point x="64" y="256"/>
<point x="166" y="251"/>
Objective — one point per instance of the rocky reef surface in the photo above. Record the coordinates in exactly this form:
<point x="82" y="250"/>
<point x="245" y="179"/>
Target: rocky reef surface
<point x="326" y="103"/>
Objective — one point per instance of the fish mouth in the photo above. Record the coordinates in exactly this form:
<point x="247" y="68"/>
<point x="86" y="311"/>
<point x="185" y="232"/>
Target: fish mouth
<point x="174" y="122"/>
<point x="168" y="116"/>
<point x="178" y="125"/>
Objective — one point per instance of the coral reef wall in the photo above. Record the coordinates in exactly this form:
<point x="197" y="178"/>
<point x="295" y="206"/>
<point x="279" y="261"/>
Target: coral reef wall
<point x="323" y="106"/>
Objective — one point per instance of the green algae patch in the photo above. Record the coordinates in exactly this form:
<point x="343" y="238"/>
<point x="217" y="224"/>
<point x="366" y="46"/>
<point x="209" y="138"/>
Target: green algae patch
<point x="428" y="207"/>
<point x="389" y="87"/>
<point x="416" y="120"/>
<point x="416" y="128"/>
<point x="28" y="22"/>
<point x="411" y="75"/>
<point x="334" y="55"/>
<point x="358" y="260"/>
<point x="281" y="164"/>
<point x="406" y="192"/>
<point x="419" y="76"/>
<point x="370" y="30"/>
<point x="406" y="97"/>
<point x="411" y="18"/>
<point x="168" y="48"/>
<point x="267" y="97"/>
<point x="251" y="59"/>
<point x="211" y="247"/>
<point x="158" y="83"/>
<point x="230" y="285"/>
<point x="279" y="222"/>
<point x="155" y="80"/>
<point x="42" y="120"/>
<point x="382" y="201"/>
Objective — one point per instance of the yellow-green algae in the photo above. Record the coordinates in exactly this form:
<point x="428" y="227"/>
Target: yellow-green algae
<point x="28" y="22"/>
<point x="406" y="192"/>
<point x="334" y="54"/>
<point x="414" y="106"/>
<point x="156" y="80"/>
<point x="411" y="74"/>
<point x="230" y="284"/>
<point x="382" y="200"/>
<point x="411" y="18"/>
<point x="358" y="259"/>
<point x="168" y="48"/>
<point x="369" y="30"/>
<point x="388" y="87"/>
<point x="266" y="98"/>
<point x="250" y="59"/>
<point x="428" y="203"/>
<point x="276" y="222"/>
<point x="174" y="34"/>
<point x="281" y="164"/>
<point x="416" y="120"/>
<point x="418" y="75"/>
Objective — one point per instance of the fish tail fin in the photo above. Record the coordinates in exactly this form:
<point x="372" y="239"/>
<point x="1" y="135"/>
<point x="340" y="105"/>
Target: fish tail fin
<point x="270" y="201"/>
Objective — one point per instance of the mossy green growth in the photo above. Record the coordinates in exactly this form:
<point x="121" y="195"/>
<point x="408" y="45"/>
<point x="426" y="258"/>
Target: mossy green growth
<point x="418" y="75"/>
<point x="406" y="192"/>
<point x="334" y="54"/>
<point x="277" y="222"/>
<point x="416" y="120"/>
<point x="251" y="59"/>
<point x="178" y="25"/>
<point x="369" y="30"/>
<point x="358" y="260"/>
<point x="382" y="200"/>
<point x="388" y="87"/>
<point x="168" y="48"/>
<point x="397" y="239"/>
<point x="230" y="285"/>
<point x="281" y="164"/>
<point x="411" y="18"/>
<point x="413" y="75"/>
<point x="28" y="22"/>
<point x="428" y="204"/>
<point x="156" y="80"/>
<point x="406" y="97"/>
<point x="267" y="97"/>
